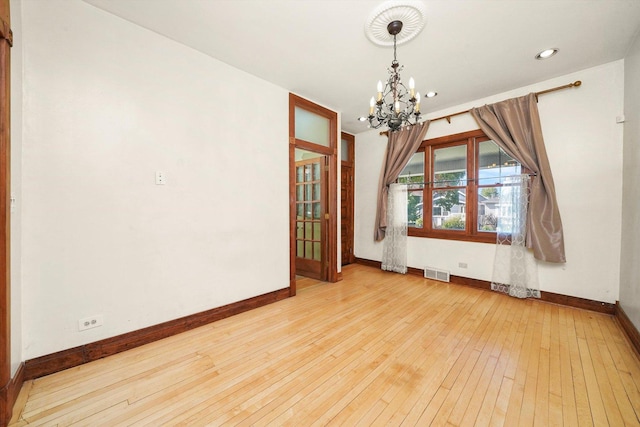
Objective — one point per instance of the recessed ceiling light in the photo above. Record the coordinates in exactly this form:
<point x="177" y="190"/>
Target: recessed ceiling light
<point x="547" y="53"/>
<point x="431" y="94"/>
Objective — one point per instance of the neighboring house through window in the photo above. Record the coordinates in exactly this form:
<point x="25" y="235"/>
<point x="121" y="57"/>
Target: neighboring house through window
<point x="454" y="185"/>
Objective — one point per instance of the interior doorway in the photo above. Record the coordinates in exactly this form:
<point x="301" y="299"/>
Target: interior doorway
<point x="311" y="214"/>
<point x="313" y="217"/>
<point x="347" y="185"/>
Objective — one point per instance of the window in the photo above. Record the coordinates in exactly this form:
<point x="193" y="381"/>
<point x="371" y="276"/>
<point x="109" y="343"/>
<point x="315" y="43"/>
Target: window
<point x="461" y="178"/>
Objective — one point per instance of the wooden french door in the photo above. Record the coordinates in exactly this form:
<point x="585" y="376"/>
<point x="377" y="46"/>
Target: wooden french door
<point x="311" y="217"/>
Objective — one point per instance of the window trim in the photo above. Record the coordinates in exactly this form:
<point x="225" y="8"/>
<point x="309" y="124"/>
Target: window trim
<point x="471" y="233"/>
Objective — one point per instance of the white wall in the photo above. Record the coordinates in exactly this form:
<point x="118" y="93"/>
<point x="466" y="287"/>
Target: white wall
<point x="16" y="186"/>
<point x="106" y="105"/>
<point x="584" y="145"/>
<point x="630" y="250"/>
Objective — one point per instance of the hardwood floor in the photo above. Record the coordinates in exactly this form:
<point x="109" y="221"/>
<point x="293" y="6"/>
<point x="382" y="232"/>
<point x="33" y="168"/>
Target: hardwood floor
<point x="376" y="348"/>
<point x="306" y="282"/>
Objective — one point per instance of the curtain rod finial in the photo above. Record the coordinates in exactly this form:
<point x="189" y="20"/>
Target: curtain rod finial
<point x="577" y="83"/>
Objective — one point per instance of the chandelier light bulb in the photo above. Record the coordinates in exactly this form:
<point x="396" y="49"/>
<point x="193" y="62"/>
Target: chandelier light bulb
<point x="412" y="87"/>
<point x="379" y="90"/>
<point x="372" y="104"/>
<point x="417" y="107"/>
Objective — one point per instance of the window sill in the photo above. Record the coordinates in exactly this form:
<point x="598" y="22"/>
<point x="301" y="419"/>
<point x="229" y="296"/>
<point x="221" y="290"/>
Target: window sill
<point x="453" y="235"/>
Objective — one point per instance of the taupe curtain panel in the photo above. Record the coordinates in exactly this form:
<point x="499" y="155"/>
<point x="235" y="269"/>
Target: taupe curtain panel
<point x="514" y="125"/>
<point x="401" y="146"/>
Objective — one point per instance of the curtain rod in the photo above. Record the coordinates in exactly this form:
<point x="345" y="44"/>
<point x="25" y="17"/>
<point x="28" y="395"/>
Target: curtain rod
<point x="533" y="174"/>
<point x="577" y="83"/>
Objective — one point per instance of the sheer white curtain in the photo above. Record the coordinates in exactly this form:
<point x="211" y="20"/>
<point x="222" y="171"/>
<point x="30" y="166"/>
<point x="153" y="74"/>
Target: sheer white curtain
<point x="515" y="271"/>
<point x="394" y="246"/>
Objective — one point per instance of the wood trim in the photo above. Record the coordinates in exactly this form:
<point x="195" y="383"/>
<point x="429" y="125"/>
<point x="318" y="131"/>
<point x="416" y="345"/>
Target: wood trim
<point x="627" y="325"/>
<point x="6" y="382"/>
<point x="9" y="395"/>
<point x="351" y="164"/>
<point x="51" y="363"/>
<point x="570" y="301"/>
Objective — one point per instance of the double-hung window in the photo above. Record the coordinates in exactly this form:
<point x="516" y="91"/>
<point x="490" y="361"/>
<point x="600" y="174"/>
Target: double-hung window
<point x="454" y="185"/>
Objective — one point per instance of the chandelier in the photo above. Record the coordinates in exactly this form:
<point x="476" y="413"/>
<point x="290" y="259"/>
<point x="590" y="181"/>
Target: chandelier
<point x="394" y="106"/>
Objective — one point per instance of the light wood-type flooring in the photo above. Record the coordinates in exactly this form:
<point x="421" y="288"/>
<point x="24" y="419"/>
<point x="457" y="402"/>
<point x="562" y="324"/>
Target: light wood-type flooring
<point x="377" y="348"/>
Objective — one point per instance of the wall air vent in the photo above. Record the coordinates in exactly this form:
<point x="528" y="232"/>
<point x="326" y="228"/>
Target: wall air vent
<point x="436" y="274"/>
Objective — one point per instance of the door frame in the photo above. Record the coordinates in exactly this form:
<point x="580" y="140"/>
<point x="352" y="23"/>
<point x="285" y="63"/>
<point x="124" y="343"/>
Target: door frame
<point x="5" y="215"/>
<point x="351" y="164"/>
<point x="332" y="185"/>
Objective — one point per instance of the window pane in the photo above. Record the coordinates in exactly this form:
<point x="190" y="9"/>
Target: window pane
<point x="311" y="127"/>
<point x="307" y="210"/>
<point x="316" y="171"/>
<point x="488" y="208"/>
<point x="300" y="230"/>
<point x="316" y="210"/>
<point x="299" y="174"/>
<point x="299" y="210"/>
<point x="308" y="250"/>
<point x="495" y="165"/>
<point x="450" y="166"/>
<point x="316" y="191"/>
<point x="307" y="172"/>
<point x="300" y="249"/>
<point x="415" y="209"/>
<point x="316" y="251"/>
<point x="413" y="176"/>
<point x="344" y="150"/>
<point x="308" y="231"/>
<point x="414" y="171"/>
<point x="449" y="209"/>
<point x="307" y="192"/>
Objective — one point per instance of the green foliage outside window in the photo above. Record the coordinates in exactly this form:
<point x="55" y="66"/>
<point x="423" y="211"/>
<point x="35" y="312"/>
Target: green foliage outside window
<point x="454" y="223"/>
<point x="489" y="192"/>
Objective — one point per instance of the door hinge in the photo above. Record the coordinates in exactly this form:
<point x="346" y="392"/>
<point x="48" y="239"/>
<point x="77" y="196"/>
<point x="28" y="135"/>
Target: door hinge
<point x="326" y="216"/>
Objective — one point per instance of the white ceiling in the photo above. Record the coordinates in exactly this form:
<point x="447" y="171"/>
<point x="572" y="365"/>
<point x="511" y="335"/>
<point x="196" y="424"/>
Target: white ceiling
<point x="469" y="49"/>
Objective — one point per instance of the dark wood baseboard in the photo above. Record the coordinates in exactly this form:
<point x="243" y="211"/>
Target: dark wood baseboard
<point x="627" y="325"/>
<point x="65" y="359"/>
<point x="9" y="394"/>
<point x="587" y="304"/>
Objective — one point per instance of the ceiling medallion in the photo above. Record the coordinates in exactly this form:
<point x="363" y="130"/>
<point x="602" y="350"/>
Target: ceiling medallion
<point x="412" y="14"/>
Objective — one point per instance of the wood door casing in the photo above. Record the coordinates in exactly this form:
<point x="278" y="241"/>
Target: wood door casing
<point x="347" y="179"/>
<point x="331" y="154"/>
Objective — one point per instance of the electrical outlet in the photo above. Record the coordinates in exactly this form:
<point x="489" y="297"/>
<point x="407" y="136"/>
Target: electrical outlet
<point x="90" y="322"/>
<point x="161" y="178"/>
<point x="462" y="264"/>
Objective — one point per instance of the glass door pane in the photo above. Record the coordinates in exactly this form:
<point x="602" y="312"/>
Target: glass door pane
<point x="309" y="205"/>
